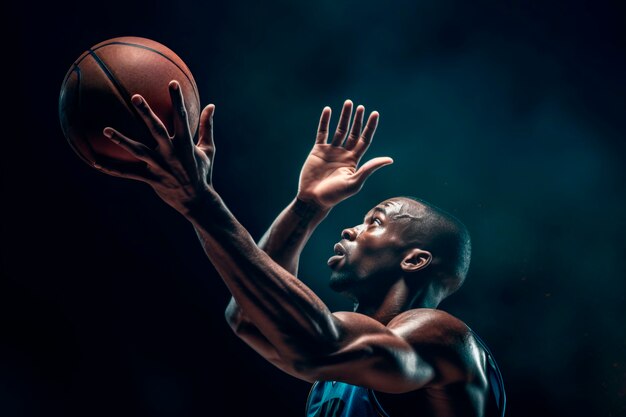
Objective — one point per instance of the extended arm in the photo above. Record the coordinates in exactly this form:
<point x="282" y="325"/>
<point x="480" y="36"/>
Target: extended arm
<point x="328" y="176"/>
<point x="310" y="340"/>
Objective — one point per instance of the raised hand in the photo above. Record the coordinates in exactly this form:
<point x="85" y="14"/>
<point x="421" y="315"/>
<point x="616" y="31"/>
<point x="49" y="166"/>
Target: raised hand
<point x="329" y="174"/>
<point x="178" y="170"/>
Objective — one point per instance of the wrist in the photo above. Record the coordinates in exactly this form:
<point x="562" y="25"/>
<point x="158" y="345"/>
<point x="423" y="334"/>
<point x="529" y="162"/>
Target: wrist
<point x="309" y="209"/>
<point x="203" y="202"/>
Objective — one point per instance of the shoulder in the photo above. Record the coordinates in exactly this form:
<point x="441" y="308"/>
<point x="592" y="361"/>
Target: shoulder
<point x="442" y="340"/>
<point x="432" y="323"/>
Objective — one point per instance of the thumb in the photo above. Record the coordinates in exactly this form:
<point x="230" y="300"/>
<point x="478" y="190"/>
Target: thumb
<point x="369" y="167"/>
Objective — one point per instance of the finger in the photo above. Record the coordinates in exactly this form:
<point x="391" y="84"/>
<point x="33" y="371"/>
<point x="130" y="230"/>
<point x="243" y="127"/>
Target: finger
<point x="322" y="129"/>
<point x="205" y="142"/>
<point x="367" y="135"/>
<point x="136" y="149"/>
<point x="342" y="126"/>
<point x="155" y="125"/>
<point x="369" y="168"/>
<point x="355" y="132"/>
<point x="182" y="133"/>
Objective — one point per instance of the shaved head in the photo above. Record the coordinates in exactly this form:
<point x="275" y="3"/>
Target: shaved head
<point x="443" y="235"/>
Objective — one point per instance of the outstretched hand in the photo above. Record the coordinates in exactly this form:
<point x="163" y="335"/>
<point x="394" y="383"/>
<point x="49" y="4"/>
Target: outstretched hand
<point x="178" y="170"/>
<point x="329" y="174"/>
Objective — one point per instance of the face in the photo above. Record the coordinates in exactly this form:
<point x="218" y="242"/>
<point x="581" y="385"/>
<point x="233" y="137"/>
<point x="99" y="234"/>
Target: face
<point x="369" y="255"/>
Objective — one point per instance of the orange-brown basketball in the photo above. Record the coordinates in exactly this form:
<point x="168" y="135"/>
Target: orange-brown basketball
<point x="97" y="91"/>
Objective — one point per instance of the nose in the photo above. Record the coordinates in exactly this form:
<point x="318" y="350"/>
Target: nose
<point x="350" y="233"/>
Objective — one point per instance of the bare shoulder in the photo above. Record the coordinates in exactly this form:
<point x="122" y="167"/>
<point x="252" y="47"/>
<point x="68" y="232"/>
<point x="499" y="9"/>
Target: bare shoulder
<point x="442" y="340"/>
<point x="427" y="321"/>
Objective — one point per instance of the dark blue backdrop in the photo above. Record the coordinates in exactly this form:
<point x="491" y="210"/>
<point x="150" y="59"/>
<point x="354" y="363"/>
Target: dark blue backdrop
<point x="510" y="114"/>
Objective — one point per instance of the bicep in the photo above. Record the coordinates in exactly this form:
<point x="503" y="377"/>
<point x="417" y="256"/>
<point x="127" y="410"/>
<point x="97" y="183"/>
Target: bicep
<point x="252" y="336"/>
<point x="249" y="333"/>
<point x="371" y="355"/>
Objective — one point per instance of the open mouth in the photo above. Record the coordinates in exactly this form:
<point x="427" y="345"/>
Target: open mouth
<point x="340" y="253"/>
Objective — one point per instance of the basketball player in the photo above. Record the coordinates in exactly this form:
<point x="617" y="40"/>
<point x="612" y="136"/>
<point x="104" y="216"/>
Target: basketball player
<point x="396" y="354"/>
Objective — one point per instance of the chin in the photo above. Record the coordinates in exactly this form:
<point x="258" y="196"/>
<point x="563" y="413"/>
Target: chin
<point x="341" y="281"/>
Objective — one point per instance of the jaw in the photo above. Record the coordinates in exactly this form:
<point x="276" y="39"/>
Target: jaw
<point x="341" y="281"/>
<point x="369" y="290"/>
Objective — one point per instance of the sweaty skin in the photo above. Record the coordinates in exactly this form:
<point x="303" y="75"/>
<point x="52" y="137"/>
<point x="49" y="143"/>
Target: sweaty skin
<point x="386" y="344"/>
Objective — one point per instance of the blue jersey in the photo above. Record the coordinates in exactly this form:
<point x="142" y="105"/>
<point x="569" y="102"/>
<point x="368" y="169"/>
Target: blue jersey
<point x="338" y="399"/>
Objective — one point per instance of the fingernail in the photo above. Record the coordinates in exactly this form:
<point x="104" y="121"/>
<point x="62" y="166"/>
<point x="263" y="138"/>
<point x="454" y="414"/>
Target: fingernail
<point x="109" y="134"/>
<point x="137" y="100"/>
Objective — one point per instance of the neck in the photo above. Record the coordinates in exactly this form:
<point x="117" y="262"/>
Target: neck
<point x="398" y="299"/>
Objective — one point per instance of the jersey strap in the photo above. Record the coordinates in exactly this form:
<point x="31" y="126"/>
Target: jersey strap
<point x="496" y="382"/>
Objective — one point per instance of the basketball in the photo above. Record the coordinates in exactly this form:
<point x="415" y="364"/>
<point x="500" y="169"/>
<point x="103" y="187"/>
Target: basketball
<point x="97" y="89"/>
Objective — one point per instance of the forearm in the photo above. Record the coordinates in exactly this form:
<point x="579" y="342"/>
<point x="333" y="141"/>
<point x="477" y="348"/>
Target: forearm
<point x="287" y="236"/>
<point x="283" y="241"/>
<point x="286" y="312"/>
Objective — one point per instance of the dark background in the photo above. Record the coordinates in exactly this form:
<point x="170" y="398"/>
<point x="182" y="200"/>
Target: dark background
<point x="510" y="114"/>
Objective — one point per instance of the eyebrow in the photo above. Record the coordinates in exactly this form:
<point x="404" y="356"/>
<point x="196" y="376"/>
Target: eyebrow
<point x="377" y="209"/>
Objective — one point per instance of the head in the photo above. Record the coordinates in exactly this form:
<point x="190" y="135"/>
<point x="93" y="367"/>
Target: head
<point x="406" y="239"/>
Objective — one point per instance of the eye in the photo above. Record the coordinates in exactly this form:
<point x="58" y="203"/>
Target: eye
<point x="377" y="221"/>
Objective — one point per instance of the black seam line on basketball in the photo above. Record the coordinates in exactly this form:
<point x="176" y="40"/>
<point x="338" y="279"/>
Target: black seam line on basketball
<point x="195" y="90"/>
<point x="69" y="73"/>
<point x="75" y="64"/>
<point x="67" y="77"/>
<point x="120" y="88"/>
<point x="86" y="142"/>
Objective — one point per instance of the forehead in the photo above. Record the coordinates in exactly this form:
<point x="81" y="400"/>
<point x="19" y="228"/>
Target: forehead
<point x="397" y="206"/>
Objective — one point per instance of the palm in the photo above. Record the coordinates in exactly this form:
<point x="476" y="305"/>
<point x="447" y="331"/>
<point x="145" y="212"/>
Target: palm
<point x="329" y="174"/>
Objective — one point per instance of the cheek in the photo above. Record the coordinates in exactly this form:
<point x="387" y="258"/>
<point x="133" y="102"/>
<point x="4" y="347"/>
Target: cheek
<point x="376" y="256"/>
<point x="378" y="241"/>
<point x="377" y="248"/>
<point x="381" y="248"/>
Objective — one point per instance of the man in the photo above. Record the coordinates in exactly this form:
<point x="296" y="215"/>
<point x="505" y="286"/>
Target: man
<point x="395" y="354"/>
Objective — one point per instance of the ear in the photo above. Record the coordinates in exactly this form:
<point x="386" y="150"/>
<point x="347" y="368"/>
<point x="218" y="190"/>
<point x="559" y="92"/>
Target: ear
<point x="416" y="259"/>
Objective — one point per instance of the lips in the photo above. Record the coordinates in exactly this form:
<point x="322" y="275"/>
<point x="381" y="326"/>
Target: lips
<point x="340" y="253"/>
<point x="339" y="249"/>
